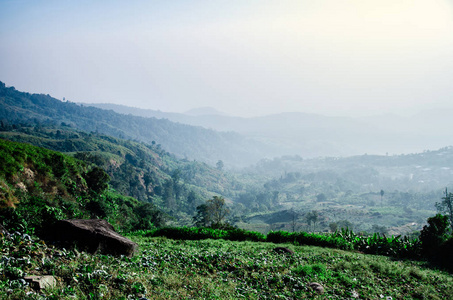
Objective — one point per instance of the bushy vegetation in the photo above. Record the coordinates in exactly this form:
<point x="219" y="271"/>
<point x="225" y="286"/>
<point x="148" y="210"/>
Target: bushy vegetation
<point x="398" y="247"/>
<point x="202" y="233"/>
<point x="304" y="238"/>
<point x="434" y="246"/>
<point x="40" y="186"/>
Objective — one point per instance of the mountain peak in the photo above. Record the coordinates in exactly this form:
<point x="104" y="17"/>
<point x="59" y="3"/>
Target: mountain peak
<point x="203" y="111"/>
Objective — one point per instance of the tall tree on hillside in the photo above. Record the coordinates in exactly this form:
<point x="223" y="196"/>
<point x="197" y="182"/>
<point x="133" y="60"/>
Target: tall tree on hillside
<point x="191" y="200"/>
<point x="219" y="165"/>
<point x="202" y="218"/>
<point x="212" y="213"/>
<point x="312" y="219"/>
<point x="168" y="195"/>
<point x="446" y="206"/>
<point x="217" y="209"/>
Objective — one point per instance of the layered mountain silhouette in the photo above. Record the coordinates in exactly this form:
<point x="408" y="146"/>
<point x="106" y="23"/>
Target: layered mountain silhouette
<point x="208" y="135"/>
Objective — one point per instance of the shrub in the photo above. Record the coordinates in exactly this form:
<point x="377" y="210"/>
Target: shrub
<point x="201" y="233"/>
<point x="434" y="234"/>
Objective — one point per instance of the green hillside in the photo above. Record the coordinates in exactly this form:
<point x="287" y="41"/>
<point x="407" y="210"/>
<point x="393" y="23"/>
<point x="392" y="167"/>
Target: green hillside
<point x="40" y="186"/>
<point x="342" y="192"/>
<point x="145" y="172"/>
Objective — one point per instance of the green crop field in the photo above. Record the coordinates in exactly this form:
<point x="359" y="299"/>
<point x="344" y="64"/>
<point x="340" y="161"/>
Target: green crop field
<point x="215" y="269"/>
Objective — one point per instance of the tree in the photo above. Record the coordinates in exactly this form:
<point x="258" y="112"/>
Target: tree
<point x="148" y="216"/>
<point x="446" y="206"/>
<point x="201" y="219"/>
<point x="177" y="187"/>
<point x="382" y="195"/>
<point x="434" y="234"/>
<point x="219" y="165"/>
<point x="168" y="195"/>
<point x="217" y="209"/>
<point x="212" y="213"/>
<point x="191" y="200"/>
<point x="333" y="227"/>
<point x="294" y="217"/>
<point x="312" y="218"/>
<point x="344" y="224"/>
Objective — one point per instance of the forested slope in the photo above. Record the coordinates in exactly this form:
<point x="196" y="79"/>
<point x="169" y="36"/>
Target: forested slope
<point x="39" y="186"/>
<point x="145" y="172"/>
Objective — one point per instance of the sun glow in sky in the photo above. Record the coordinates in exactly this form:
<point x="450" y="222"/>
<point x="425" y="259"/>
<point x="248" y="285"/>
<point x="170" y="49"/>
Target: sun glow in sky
<point x="333" y="57"/>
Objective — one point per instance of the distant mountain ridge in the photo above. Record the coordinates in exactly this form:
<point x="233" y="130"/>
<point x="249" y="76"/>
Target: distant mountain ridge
<point x="183" y="140"/>
<point x="311" y="135"/>
<point x="238" y="141"/>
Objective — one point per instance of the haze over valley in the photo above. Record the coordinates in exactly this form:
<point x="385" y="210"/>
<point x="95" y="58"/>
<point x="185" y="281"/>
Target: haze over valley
<point x="315" y="135"/>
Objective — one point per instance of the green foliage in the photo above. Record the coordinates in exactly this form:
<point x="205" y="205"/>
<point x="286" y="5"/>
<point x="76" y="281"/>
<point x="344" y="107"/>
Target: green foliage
<point x="212" y="213"/>
<point x="97" y="180"/>
<point x="201" y="233"/>
<point x="201" y="219"/>
<point x="444" y="256"/>
<point x="39" y="187"/>
<point x="434" y="234"/>
<point x="344" y="239"/>
<point x="304" y="238"/>
<point x="446" y="206"/>
<point x="312" y="271"/>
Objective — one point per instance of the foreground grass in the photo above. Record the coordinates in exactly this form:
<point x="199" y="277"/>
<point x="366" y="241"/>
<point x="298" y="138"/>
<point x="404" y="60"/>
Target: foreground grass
<point x="215" y="269"/>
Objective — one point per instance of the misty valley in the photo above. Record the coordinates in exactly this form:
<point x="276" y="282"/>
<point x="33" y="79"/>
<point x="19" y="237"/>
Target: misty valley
<point x="392" y="194"/>
<point x="62" y="160"/>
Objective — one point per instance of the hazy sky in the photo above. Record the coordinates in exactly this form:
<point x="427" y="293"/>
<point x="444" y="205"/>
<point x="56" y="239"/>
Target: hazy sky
<point x="334" y="57"/>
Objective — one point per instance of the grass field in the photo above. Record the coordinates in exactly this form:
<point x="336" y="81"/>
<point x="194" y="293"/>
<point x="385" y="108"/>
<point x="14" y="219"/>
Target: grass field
<point x="215" y="269"/>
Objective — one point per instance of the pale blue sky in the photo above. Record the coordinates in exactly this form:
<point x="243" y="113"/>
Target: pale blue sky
<point x="335" y="57"/>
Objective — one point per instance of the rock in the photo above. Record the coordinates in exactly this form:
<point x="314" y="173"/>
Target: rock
<point x="41" y="282"/>
<point x="284" y="250"/>
<point x="317" y="287"/>
<point x="93" y="236"/>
